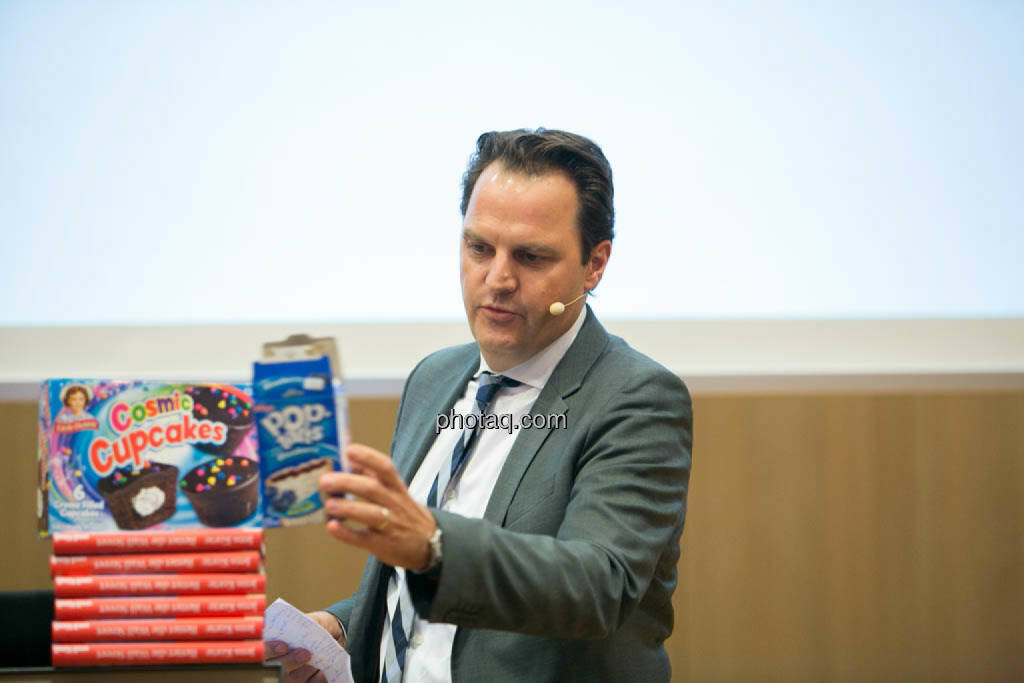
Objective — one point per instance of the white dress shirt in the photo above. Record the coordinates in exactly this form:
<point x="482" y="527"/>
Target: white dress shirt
<point x="428" y="657"/>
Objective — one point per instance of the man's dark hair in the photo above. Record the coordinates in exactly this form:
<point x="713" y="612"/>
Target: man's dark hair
<point x="543" y="151"/>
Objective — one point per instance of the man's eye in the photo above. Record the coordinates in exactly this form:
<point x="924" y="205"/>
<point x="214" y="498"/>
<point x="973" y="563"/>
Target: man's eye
<point x="476" y="248"/>
<point x="529" y="257"/>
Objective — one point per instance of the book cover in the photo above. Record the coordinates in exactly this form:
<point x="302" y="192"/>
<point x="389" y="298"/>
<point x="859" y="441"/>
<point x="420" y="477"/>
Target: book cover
<point x="121" y="630"/>
<point x="123" y="542"/>
<point x="206" y="652"/>
<point x="235" y="561"/>
<point x="77" y="609"/>
<point x="158" y="584"/>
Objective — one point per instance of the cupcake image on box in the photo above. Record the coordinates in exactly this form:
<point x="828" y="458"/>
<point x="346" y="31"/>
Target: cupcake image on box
<point x="224" y="404"/>
<point x="223" y="491"/>
<point x="140" y="498"/>
<point x="294" y="494"/>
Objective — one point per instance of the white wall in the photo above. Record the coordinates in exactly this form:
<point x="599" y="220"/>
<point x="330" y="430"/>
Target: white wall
<point x="192" y="163"/>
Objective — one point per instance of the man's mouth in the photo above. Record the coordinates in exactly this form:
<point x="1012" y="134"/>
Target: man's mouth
<point x="498" y="313"/>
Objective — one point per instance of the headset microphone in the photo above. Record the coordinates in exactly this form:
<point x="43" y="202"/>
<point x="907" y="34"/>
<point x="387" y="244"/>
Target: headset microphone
<point x="558" y="308"/>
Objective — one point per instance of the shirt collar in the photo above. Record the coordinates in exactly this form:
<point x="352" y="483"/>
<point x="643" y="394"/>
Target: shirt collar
<point x="536" y="370"/>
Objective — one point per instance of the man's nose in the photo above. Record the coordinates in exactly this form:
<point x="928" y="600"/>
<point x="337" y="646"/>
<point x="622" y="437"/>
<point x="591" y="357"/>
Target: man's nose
<point x="501" y="273"/>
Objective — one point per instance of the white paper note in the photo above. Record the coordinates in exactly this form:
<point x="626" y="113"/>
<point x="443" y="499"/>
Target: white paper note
<point x="281" y="621"/>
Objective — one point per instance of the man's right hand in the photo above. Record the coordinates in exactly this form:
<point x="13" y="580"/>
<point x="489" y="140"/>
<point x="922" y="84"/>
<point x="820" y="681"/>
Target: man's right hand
<point x="295" y="661"/>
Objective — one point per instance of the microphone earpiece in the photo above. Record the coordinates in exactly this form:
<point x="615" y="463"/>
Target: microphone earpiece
<point x="558" y="308"/>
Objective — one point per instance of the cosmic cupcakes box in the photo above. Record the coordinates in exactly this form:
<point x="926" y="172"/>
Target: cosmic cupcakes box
<point x="138" y="455"/>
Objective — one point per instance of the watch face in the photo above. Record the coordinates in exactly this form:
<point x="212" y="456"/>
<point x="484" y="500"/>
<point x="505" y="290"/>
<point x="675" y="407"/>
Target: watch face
<point x="434" y="543"/>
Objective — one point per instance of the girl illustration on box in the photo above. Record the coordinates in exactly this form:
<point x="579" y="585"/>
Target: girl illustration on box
<point x="75" y="398"/>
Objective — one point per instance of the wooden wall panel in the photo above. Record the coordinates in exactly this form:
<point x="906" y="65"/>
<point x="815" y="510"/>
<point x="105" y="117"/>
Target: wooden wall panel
<point x="23" y="557"/>
<point x="854" y="538"/>
<point x="829" y="537"/>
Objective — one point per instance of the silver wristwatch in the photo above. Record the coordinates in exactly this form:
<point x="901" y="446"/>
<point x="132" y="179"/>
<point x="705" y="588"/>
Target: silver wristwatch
<point x="436" y="555"/>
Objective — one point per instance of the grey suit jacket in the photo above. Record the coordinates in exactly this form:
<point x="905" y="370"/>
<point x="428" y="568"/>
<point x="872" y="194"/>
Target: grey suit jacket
<point x="570" y="573"/>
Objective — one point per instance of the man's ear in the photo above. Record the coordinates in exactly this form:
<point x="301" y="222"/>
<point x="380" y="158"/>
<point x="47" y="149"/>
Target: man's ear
<point x="596" y="263"/>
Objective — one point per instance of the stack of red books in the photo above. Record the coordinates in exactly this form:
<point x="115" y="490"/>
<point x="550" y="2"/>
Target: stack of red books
<point x="158" y="597"/>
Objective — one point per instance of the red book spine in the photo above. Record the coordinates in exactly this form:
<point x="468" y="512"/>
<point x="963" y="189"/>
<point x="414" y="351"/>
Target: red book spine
<point x="88" y="654"/>
<point x="158" y="584"/>
<point x="72" y="609"/>
<point x="121" y="630"/>
<point x="105" y="543"/>
<point x="164" y="563"/>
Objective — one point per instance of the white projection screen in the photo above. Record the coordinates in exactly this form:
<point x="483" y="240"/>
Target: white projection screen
<point x="800" y="189"/>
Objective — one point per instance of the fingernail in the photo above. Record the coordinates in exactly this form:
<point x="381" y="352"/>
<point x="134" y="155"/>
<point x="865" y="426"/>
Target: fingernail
<point x="303" y="656"/>
<point x="275" y="648"/>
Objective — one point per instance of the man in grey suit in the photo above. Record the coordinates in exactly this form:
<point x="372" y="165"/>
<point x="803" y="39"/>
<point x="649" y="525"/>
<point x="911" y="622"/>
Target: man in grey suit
<point x="543" y="552"/>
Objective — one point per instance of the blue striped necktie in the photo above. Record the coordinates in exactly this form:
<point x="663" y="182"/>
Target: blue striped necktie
<point x="447" y="477"/>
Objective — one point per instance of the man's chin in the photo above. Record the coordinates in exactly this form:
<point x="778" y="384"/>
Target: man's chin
<point x="497" y="343"/>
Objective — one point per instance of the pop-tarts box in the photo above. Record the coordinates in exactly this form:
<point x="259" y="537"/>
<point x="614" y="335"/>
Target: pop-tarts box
<point x="146" y="455"/>
<point x="301" y="429"/>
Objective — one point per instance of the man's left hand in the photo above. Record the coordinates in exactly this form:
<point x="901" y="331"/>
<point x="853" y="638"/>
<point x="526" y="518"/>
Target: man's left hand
<point x="397" y="527"/>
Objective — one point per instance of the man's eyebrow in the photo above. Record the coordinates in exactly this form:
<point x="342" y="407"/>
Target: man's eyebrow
<point x="539" y="249"/>
<point x="469" y="235"/>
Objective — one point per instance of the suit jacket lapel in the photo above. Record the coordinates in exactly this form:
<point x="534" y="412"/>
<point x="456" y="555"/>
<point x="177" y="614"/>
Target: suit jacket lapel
<point x="564" y="381"/>
<point x="423" y="416"/>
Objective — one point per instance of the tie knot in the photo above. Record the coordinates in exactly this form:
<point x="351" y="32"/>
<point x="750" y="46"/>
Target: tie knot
<point x="490" y="385"/>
